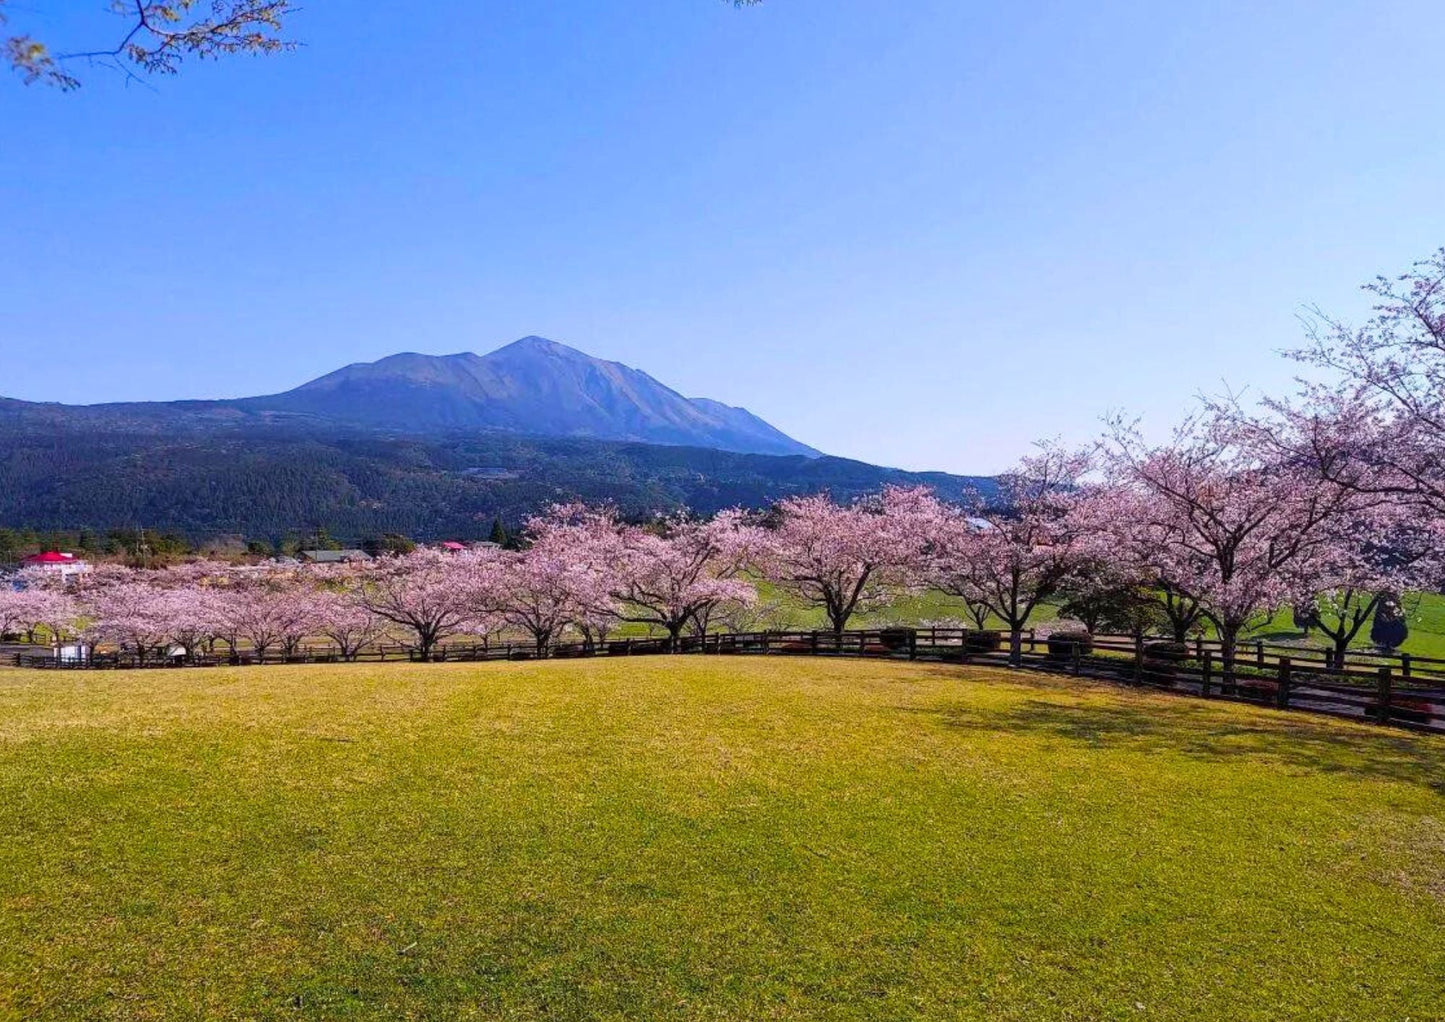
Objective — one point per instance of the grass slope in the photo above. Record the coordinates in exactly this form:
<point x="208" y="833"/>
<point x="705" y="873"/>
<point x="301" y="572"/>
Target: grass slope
<point x="704" y="838"/>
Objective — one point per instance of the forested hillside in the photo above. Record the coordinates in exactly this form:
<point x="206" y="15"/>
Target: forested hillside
<point x="270" y="479"/>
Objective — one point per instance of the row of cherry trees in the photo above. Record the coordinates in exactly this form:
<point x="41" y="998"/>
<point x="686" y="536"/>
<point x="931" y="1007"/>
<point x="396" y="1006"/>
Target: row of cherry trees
<point x="1330" y="503"/>
<point x="1224" y="523"/>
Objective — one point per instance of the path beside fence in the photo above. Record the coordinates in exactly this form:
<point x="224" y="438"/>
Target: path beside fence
<point x="1398" y="691"/>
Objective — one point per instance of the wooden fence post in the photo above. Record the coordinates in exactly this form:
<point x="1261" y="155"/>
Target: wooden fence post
<point x="1076" y="654"/>
<point x="1404" y="665"/>
<point x="1383" y="696"/>
<point x="912" y="644"/>
<point x="1139" y="659"/>
<point x="1206" y="669"/>
<point x="1259" y="652"/>
<point x="1281" y="696"/>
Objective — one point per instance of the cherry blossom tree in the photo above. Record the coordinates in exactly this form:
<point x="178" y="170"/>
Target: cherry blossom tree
<point x="1012" y="558"/>
<point x="43" y="604"/>
<point x="342" y="616"/>
<point x="13" y="610"/>
<point x="1224" y="519"/>
<point x="256" y="620"/>
<point x="848" y="558"/>
<point x="1117" y="565"/>
<point x="155" y="36"/>
<point x="127" y="611"/>
<point x="151" y="610"/>
<point x="428" y="594"/>
<point x="1381" y="428"/>
<point x="193" y="611"/>
<point x="1368" y="557"/>
<point x="226" y="609"/>
<point x="564" y="577"/>
<point x="678" y="573"/>
<point x="534" y="592"/>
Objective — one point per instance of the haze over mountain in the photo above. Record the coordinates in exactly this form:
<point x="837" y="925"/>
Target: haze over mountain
<point x="532" y="386"/>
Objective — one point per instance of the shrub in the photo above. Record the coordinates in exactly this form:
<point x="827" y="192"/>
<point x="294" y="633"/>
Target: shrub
<point x="1062" y="645"/>
<point x="894" y="639"/>
<point x="983" y="642"/>
<point x="1166" y="651"/>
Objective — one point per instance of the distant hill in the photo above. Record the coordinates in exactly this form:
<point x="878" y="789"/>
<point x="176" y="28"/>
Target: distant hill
<point x="260" y="478"/>
<point x="533" y="386"/>
<point x="430" y="446"/>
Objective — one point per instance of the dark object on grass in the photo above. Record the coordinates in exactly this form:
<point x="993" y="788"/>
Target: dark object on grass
<point x="894" y="639"/>
<point x="1389" y="630"/>
<point x="1166" y="652"/>
<point x="1258" y="690"/>
<point x="1416" y="711"/>
<point x="1066" y="645"/>
<point x="983" y="642"/>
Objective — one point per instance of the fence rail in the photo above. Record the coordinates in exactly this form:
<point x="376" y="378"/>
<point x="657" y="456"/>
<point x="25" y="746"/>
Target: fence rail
<point x="1405" y="692"/>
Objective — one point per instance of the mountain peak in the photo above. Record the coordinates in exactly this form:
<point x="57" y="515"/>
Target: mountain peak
<point x="543" y="345"/>
<point x="532" y="385"/>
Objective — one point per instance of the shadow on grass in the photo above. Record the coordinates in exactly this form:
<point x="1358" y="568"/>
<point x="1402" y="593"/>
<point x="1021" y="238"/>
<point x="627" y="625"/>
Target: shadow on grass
<point x="1216" y="732"/>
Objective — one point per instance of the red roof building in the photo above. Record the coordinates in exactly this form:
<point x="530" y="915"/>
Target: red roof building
<point x="49" y="557"/>
<point x="55" y="560"/>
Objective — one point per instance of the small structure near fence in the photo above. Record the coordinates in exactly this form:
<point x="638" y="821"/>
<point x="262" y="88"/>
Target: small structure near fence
<point x="1399" y="691"/>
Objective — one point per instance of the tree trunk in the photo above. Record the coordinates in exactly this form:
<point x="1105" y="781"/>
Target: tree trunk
<point x="1228" y="646"/>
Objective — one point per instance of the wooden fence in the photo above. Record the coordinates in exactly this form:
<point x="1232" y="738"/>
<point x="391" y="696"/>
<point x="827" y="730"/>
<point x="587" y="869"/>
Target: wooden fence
<point x="1400" y="691"/>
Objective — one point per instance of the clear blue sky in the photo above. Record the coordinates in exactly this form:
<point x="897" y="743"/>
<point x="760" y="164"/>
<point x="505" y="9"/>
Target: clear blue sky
<point x="920" y="233"/>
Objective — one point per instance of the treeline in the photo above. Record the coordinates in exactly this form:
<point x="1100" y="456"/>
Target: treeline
<point x="146" y="548"/>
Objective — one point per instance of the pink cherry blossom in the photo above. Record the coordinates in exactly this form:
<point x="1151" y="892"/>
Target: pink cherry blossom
<point x="847" y="558"/>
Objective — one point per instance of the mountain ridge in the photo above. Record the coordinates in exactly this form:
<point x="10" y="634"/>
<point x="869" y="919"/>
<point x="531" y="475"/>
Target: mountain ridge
<point x="533" y="385"/>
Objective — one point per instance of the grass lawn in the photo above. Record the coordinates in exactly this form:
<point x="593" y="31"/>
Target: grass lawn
<point x="704" y="838"/>
<point x="1425" y="614"/>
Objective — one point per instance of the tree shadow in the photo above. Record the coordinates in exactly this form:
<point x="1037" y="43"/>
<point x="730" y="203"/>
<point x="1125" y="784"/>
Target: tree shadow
<point x="1287" y="636"/>
<point x="1216" y="732"/>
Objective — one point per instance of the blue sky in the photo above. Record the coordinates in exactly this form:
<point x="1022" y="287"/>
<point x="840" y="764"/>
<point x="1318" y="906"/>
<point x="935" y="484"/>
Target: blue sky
<point x="921" y="234"/>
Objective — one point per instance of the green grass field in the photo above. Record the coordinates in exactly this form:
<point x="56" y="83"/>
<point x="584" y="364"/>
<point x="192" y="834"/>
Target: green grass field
<point x="704" y="838"/>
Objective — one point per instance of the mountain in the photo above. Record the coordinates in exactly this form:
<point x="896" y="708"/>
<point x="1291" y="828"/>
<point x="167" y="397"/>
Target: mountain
<point x="533" y="386"/>
<point x="430" y="446"/>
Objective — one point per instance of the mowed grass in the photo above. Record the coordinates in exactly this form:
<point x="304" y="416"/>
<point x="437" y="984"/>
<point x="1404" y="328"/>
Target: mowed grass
<point x="704" y="838"/>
